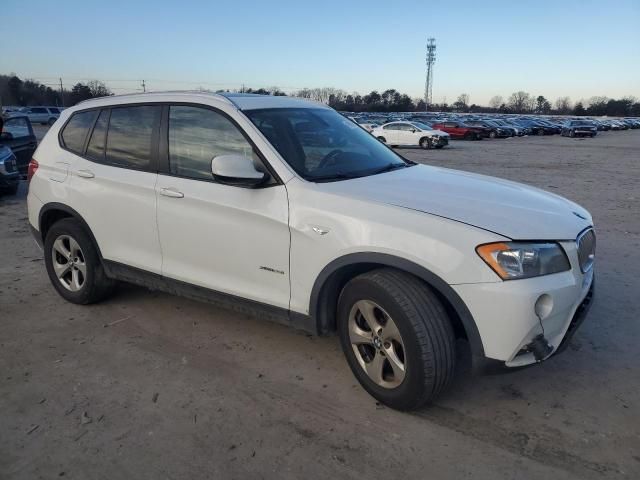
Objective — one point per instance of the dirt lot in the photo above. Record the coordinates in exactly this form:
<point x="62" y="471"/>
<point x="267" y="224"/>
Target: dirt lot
<point x="150" y="386"/>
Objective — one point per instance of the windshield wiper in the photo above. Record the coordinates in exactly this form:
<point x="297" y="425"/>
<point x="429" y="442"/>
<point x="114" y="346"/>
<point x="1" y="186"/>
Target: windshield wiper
<point x="333" y="176"/>
<point x="388" y="168"/>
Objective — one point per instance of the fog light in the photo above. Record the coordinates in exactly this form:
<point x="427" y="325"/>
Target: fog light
<point x="543" y="306"/>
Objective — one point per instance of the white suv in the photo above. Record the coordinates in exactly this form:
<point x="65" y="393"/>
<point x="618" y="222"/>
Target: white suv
<point x="286" y="207"/>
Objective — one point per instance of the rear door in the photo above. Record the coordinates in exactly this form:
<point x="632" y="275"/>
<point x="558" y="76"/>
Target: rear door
<point x="113" y="173"/>
<point x="391" y="133"/>
<point x="38" y="114"/>
<point x="20" y="139"/>
<point x="226" y="238"/>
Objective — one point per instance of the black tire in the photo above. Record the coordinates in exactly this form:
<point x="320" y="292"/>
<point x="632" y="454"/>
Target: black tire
<point x="493" y="134"/>
<point x="382" y="139"/>
<point x="425" y="143"/>
<point x="593" y="135"/>
<point x="541" y="131"/>
<point x="469" y="136"/>
<point x="96" y="285"/>
<point x="572" y="133"/>
<point x="427" y="335"/>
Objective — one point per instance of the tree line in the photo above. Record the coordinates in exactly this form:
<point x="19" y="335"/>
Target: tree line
<point x="17" y="92"/>
<point x="14" y="91"/>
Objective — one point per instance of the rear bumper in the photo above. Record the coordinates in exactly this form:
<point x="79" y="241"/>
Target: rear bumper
<point x="8" y="180"/>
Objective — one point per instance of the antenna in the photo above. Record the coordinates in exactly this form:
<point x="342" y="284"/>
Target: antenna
<point x="144" y="87"/>
<point x="431" y="59"/>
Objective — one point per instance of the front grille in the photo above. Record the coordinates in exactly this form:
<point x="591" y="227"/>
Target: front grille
<point x="586" y="250"/>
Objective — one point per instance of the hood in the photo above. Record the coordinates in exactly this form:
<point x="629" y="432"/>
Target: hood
<point x="437" y="133"/>
<point x="510" y="209"/>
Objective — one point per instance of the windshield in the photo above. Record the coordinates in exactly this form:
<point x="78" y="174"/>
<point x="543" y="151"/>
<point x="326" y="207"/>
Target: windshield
<point x="322" y="145"/>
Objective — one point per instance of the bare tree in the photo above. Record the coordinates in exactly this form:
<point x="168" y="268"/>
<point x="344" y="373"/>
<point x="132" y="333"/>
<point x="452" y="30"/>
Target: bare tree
<point x="496" y="101"/>
<point x="98" y="89"/>
<point x="563" y="105"/>
<point x="520" y="102"/>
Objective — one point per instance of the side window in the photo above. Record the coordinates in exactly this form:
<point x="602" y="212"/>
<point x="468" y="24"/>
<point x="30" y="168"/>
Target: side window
<point x="393" y="126"/>
<point x="17" y="127"/>
<point x="196" y="136"/>
<point x="75" y="131"/>
<point x="450" y="125"/>
<point x="130" y="136"/>
<point x="95" y="147"/>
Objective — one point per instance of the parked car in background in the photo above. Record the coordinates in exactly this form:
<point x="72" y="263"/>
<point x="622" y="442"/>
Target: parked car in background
<point x="18" y="135"/>
<point x="42" y="115"/>
<point x="460" y="130"/>
<point x="410" y="134"/>
<point x="9" y="176"/>
<point x="579" y="128"/>
<point x="492" y="130"/>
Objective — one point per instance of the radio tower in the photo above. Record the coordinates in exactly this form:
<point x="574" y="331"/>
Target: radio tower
<point x="431" y="59"/>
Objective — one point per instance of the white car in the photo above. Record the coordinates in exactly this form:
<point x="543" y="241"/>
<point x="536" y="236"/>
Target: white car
<point x="286" y="207"/>
<point x="410" y="134"/>
<point x="42" y="115"/>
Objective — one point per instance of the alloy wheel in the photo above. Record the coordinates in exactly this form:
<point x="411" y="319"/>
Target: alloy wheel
<point x="69" y="263"/>
<point x="377" y="344"/>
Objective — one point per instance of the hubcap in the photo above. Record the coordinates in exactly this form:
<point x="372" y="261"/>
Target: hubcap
<point x="377" y="344"/>
<point x="68" y="263"/>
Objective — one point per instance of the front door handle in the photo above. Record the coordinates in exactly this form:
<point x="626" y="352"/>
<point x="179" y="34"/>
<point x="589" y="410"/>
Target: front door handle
<point x="171" y="192"/>
<point x="85" y="173"/>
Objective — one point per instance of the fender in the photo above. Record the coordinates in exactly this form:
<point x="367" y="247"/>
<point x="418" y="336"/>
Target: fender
<point x="382" y="259"/>
<point x="72" y="213"/>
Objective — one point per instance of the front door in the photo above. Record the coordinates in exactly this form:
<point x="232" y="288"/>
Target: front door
<point x="226" y="238"/>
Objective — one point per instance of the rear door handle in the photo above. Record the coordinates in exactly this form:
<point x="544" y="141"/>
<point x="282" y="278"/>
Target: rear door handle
<point x="171" y="192"/>
<point x="85" y="173"/>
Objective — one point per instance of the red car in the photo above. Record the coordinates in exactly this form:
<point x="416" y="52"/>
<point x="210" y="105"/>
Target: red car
<point x="460" y="130"/>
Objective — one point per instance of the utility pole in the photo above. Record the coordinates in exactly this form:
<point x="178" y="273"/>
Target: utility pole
<point x="61" y="93"/>
<point x="431" y="59"/>
<point x="144" y="87"/>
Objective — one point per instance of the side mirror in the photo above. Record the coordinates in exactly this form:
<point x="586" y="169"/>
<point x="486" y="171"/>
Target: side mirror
<point x="414" y="130"/>
<point x="237" y="170"/>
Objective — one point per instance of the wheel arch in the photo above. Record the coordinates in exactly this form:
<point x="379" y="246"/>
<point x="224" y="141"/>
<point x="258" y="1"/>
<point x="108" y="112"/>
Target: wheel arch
<point x="51" y="212"/>
<point x="333" y="277"/>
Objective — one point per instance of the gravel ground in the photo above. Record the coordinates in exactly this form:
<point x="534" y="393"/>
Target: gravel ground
<point x="150" y="386"/>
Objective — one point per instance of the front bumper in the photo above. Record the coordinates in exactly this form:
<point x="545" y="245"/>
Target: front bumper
<point x="504" y="313"/>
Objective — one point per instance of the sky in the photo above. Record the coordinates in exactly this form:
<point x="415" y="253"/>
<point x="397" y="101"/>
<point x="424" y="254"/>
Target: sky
<point x="552" y="48"/>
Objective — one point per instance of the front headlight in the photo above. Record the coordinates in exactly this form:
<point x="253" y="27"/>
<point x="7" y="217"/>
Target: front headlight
<point x="513" y="260"/>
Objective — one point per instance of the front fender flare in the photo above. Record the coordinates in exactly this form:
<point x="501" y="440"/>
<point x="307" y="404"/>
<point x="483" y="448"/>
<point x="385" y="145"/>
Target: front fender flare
<point x="386" y="260"/>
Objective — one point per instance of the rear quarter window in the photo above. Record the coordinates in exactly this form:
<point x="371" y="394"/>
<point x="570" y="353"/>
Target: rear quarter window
<point x="131" y="135"/>
<point x="75" y="131"/>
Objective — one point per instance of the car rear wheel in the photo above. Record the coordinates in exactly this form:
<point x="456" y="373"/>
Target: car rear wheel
<point x="425" y="143"/>
<point x="572" y="133"/>
<point x="492" y="134"/>
<point x="73" y="264"/>
<point x="469" y="136"/>
<point x="397" y="338"/>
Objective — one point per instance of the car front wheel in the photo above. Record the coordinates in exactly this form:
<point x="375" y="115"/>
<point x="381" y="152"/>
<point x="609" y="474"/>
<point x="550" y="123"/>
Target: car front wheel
<point x="73" y="264"/>
<point x="382" y="139"/>
<point x="397" y="338"/>
<point x="425" y="143"/>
